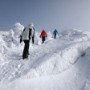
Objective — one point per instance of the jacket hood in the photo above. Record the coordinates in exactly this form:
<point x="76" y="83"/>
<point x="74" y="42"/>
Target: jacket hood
<point x="31" y="25"/>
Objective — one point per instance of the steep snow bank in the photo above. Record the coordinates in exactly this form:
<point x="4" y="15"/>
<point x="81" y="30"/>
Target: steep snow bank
<point x="75" y="78"/>
<point x="59" y="61"/>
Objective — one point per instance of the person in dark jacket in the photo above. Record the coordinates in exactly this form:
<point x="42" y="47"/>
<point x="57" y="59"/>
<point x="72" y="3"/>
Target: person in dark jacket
<point x="43" y="35"/>
<point x="55" y="32"/>
<point x="26" y="36"/>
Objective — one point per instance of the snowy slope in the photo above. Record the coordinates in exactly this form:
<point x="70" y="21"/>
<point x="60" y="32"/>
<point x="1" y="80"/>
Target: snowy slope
<point x="58" y="64"/>
<point x="75" y="78"/>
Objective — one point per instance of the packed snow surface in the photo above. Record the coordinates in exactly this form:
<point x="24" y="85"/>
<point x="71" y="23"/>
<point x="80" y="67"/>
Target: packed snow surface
<point x="58" y="64"/>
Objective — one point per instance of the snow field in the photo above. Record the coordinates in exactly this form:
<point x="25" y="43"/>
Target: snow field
<point x="58" y="64"/>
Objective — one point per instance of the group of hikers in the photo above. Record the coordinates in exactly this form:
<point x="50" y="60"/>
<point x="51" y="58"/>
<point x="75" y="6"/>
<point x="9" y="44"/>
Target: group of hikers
<point x="28" y="34"/>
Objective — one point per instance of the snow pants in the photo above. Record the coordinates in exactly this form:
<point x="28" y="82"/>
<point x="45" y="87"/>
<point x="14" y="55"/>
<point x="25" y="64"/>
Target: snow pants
<point x="54" y="36"/>
<point x="26" y="49"/>
<point x="43" y="39"/>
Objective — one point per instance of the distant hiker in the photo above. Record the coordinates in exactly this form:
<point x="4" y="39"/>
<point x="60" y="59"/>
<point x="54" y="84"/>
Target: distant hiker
<point x="27" y="34"/>
<point x="43" y="35"/>
<point x="55" y="32"/>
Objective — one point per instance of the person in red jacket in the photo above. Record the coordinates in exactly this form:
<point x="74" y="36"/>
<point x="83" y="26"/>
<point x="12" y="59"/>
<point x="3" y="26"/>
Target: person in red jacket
<point x="43" y="35"/>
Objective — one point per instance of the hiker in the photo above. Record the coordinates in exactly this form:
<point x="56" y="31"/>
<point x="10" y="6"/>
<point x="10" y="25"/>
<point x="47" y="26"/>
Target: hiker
<point x="55" y="32"/>
<point x="43" y="35"/>
<point x="27" y="34"/>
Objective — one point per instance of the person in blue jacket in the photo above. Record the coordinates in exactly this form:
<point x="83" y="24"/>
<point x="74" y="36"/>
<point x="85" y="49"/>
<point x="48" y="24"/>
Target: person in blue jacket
<point x="55" y="32"/>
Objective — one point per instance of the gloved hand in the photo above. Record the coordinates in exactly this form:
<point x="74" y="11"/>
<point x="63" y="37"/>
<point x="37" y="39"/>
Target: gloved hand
<point x="20" y="40"/>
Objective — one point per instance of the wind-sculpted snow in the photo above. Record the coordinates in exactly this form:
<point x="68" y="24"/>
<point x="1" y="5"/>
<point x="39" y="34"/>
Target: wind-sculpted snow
<point x="51" y="58"/>
<point x="74" y="35"/>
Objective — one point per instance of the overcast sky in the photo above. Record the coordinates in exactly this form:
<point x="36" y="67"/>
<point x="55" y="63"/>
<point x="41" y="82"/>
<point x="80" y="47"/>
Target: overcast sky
<point x="45" y="14"/>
